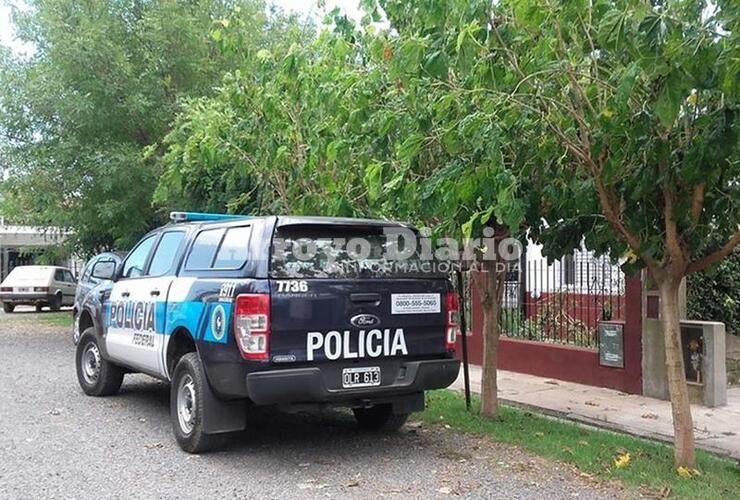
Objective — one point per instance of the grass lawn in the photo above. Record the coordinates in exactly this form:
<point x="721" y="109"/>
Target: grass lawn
<point x="61" y="319"/>
<point x="650" y="469"/>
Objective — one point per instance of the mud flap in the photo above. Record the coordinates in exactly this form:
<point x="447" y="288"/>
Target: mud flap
<point x="408" y="404"/>
<point x="221" y="416"/>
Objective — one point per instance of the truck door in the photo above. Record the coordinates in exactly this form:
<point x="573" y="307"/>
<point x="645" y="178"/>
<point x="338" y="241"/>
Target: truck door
<point x="138" y="303"/>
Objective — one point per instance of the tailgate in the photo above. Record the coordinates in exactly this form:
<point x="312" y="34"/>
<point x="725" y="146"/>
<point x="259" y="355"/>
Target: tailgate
<point x="327" y="320"/>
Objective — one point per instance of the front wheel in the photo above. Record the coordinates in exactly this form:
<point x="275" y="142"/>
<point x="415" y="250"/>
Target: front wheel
<point x="380" y="418"/>
<point x="8" y="308"/>
<point x="187" y="406"/>
<point x="97" y="376"/>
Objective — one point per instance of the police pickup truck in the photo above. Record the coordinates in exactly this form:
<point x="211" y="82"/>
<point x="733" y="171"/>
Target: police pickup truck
<point x="236" y="311"/>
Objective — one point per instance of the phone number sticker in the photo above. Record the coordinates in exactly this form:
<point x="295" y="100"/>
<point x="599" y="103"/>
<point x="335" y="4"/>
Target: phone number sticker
<point x="415" y="303"/>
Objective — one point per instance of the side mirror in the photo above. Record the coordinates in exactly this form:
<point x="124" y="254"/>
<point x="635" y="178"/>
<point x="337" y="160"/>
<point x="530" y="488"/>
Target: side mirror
<point x="104" y="271"/>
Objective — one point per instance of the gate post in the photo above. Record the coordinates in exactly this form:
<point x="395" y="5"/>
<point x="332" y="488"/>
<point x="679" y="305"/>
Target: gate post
<point x="633" y="359"/>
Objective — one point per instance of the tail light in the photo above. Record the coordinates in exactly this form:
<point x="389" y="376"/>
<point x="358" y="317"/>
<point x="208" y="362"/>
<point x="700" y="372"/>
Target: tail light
<point x="452" y="327"/>
<point x="6" y="289"/>
<point x="41" y="289"/>
<point x="252" y="325"/>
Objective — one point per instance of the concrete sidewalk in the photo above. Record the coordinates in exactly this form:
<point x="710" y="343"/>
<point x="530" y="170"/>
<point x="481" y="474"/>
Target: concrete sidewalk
<point x="717" y="429"/>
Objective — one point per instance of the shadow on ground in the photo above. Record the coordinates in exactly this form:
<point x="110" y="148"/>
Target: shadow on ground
<point x="266" y="426"/>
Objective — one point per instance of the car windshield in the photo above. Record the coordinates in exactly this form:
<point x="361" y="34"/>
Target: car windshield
<point x="342" y="252"/>
<point x="28" y="273"/>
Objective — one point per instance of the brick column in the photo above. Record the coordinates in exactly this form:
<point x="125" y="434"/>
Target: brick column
<point x="633" y="333"/>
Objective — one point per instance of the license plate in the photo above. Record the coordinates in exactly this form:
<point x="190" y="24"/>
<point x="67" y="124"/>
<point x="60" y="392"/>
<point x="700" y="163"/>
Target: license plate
<point x="366" y="376"/>
<point x="22" y="290"/>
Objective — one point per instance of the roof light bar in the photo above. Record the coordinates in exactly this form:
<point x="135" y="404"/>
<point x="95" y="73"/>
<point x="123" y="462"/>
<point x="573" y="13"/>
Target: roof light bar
<point x="202" y="216"/>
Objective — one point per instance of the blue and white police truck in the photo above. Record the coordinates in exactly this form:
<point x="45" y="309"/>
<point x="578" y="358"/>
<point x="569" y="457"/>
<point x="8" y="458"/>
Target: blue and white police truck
<point x="236" y="311"/>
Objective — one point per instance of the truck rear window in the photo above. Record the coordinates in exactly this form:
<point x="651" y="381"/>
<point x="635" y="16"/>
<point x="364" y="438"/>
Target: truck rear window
<point x="338" y="252"/>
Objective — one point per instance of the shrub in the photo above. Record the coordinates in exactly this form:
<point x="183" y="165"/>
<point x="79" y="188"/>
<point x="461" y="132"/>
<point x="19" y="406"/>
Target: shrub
<point x="715" y="295"/>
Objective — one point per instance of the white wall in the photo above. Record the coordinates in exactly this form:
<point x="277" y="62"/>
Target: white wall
<point x="591" y="274"/>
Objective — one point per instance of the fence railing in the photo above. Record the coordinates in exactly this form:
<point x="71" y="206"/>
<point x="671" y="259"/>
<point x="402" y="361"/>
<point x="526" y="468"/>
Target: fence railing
<point x="562" y="302"/>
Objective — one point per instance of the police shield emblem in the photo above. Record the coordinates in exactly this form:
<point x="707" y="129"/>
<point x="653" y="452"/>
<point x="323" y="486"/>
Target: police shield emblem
<point x="218" y="322"/>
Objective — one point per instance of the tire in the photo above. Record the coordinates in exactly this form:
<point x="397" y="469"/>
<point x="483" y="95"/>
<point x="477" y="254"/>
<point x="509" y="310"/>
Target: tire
<point x="39" y="307"/>
<point x="8" y="308"/>
<point x="379" y="418"/>
<point x="96" y="376"/>
<point x="187" y="407"/>
<point x="56" y="303"/>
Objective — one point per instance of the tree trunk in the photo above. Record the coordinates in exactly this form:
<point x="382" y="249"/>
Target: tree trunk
<point x="683" y="426"/>
<point x="490" y="287"/>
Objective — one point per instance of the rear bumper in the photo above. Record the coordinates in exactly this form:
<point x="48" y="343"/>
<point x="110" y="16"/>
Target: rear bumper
<point x="26" y="298"/>
<point x="309" y="385"/>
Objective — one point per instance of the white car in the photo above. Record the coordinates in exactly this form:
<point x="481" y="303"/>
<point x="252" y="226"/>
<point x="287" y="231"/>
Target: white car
<point x="38" y="286"/>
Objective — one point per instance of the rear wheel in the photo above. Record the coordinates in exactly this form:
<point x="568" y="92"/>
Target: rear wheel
<point x="39" y="307"/>
<point x="8" y="308"/>
<point x="187" y="406"/>
<point x="96" y="376"/>
<point x="56" y="302"/>
<point x="380" y="418"/>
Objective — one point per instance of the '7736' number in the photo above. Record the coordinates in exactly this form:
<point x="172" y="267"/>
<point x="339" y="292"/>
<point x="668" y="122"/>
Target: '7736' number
<point x="294" y="286"/>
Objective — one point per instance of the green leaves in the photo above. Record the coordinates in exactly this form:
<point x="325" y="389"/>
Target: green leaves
<point x="627" y="84"/>
<point x="457" y="115"/>
<point x="655" y="29"/>
<point x="409" y="56"/>
<point x="435" y="64"/>
<point x="99" y="97"/>
<point x="614" y="29"/>
<point x="410" y="147"/>
<point x="668" y="105"/>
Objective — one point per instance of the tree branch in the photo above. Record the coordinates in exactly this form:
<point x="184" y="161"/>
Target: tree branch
<point x="697" y="203"/>
<point x="509" y="52"/>
<point x="615" y="220"/>
<point x="716" y="256"/>
<point x="672" y="238"/>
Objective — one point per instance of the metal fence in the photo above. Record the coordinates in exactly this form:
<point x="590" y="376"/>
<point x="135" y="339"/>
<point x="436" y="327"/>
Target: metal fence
<point x="562" y="302"/>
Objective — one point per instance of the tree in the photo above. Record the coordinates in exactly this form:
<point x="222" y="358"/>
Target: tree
<point x="632" y="110"/>
<point x="363" y="121"/>
<point x="462" y="176"/>
<point x="101" y="87"/>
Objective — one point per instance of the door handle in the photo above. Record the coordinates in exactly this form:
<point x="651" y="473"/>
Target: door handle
<point x="125" y="294"/>
<point x="154" y="293"/>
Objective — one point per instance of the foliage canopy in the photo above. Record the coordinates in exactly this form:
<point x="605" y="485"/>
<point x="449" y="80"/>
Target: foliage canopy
<point x="102" y="85"/>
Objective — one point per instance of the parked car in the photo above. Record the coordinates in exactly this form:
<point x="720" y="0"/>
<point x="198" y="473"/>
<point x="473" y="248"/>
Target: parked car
<point x="38" y="286"/>
<point x="91" y="288"/>
<point x="214" y="305"/>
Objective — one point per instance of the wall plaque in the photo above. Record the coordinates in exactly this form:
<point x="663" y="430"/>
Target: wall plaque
<point x="611" y="344"/>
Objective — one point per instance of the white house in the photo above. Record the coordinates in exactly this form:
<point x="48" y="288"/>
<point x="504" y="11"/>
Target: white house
<point x="18" y="244"/>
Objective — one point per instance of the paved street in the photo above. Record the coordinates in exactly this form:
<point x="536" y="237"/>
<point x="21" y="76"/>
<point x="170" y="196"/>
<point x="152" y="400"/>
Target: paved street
<point x="57" y="443"/>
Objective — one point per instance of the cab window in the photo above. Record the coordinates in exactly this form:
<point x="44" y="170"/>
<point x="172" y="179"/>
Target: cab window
<point x="134" y="265"/>
<point x="233" y="250"/>
<point x="165" y="253"/>
<point x="58" y="275"/>
<point x="87" y="273"/>
<point x="204" y="249"/>
<point x="68" y="277"/>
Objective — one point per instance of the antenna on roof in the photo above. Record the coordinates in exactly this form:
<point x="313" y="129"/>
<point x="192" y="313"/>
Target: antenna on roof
<point x="202" y="216"/>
